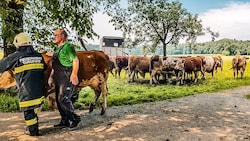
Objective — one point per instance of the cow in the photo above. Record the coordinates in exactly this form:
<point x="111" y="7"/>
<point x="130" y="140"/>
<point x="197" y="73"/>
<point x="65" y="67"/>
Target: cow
<point x="138" y="64"/>
<point x="93" y="72"/>
<point x="7" y="80"/>
<point x="168" y="67"/>
<point x="239" y="64"/>
<point x="121" y="62"/>
<point x="192" y="64"/>
<point x="174" y="66"/>
<point x="209" y="65"/>
<point x="155" y="69"/>
<point x="218" y="63"/>
<point x="112" y="66"/>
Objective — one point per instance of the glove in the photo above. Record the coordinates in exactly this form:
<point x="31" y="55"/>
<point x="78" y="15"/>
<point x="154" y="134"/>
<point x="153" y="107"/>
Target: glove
<point x="50" y="81"/>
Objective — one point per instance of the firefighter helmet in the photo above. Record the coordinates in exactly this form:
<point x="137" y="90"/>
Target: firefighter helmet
<point x="22" y="39"/>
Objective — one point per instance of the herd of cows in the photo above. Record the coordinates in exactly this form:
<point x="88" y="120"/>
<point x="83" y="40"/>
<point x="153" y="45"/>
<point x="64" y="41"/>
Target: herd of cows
<point x="178" y="68"/>
<point x="95" y="67"/>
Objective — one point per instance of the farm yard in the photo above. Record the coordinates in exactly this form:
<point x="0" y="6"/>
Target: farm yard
<point x="177" y="62"/>
<point x="140" y="111"/>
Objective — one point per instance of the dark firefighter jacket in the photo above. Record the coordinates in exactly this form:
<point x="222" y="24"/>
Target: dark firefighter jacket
<point x="28" y="68"/>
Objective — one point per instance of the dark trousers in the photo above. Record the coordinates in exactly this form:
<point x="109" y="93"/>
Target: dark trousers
<point x="31" y="121"/>
<point x="64" y="91"/>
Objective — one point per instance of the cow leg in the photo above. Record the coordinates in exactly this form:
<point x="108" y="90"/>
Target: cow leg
<point x="133" y="76"/>
<point x="104" y="90"/>
<point x="195" y="76"/>
<point x="237" y="73"/>
<point x="93" y="103"/>
<point x="180" y="75"/>
<point x="119" y="72"/>
<point x="153" y="77"/>
<point x="234" y="72"/>
<point x="101" y="89"/>
<point x="241" y="73"/>
<point x="52" y="101"/>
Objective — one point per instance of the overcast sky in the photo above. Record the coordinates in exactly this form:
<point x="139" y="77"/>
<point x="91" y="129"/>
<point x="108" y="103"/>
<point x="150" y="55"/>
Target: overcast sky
<point x="230" y="18"/>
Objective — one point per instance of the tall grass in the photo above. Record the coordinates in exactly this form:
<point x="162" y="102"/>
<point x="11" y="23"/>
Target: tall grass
<point x="121" y="92"/>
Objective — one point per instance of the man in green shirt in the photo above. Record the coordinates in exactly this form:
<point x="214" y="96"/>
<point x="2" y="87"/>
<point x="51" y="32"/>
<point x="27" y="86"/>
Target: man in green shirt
<point x="65" y="68"/>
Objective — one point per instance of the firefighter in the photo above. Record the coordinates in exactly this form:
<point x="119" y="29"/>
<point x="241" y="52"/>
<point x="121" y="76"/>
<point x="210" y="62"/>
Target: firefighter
<point x="28" y="67"/>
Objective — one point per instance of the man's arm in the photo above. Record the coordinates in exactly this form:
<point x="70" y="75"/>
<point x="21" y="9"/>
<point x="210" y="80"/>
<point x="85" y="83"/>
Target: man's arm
<point x="75" y="68"/>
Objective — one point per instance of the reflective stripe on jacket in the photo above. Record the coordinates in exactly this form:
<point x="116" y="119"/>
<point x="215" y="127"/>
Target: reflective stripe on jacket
<point x="28" y="67"/>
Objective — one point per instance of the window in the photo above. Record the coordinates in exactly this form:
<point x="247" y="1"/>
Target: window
<point x="115" y="44"/>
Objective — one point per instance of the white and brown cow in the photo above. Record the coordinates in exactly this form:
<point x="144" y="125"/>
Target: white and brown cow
<point x="155" y="69"/>
<point x="169" y="68"/>
<point x="209" y="65"/>
<point x="218" y="63"/>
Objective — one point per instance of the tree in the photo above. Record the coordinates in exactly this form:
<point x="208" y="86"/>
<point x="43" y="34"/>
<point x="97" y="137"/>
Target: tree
<point x="41" y="18"/>
<point x="155" y="23"/>
<point x="11" y="14"/>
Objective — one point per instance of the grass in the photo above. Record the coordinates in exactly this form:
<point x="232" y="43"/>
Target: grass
<point x="123" y="93"/>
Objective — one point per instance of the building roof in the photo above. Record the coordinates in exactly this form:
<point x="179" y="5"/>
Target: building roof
<point x="111" y="37"/>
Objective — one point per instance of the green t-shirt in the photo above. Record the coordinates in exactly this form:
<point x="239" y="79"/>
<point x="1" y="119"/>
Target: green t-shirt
<point x="66" y="54"/>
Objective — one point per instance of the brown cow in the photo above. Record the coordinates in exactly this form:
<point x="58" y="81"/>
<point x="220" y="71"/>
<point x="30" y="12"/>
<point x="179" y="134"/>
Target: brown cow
<point x="239" y="64"/>
<point x="93" y="72"/>
<point x="121" y="62"/>
<point x="138" y="64"/>
<point x="192" y="64"/>
<point x="7" y="80"/>
<point x="112" y="66"/>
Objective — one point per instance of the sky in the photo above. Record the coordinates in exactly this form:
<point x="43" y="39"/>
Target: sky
<point x="228" y="17"/>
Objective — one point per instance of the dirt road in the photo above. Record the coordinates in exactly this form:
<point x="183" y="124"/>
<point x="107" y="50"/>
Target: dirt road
<point x="222" y="116"/>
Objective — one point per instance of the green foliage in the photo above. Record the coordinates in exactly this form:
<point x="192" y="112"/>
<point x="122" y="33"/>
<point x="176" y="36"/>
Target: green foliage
<point x="74" y="15"/>
<point x="154" y="23"/>
<point x="41" y="18"/>
<point x="11" y="15"/>
<point x="225" y="52"/>
<point x="225" y="47"/>
<point x="8" y="100"/>
<point x="8" y="103"/>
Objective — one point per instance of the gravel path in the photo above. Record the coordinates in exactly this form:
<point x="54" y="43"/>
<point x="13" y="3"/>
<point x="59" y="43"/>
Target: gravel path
<point x="221" y="116"/>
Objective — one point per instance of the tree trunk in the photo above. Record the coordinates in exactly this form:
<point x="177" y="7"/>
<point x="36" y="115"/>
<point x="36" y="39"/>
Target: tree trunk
<point x="8" y="49"/>
<point x="164" y="49"/>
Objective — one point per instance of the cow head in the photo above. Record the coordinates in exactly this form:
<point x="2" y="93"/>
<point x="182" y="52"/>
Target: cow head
<point x="180" y="65"/>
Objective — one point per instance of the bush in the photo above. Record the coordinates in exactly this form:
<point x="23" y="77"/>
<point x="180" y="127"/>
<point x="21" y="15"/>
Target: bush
<point x="8" y="103"/>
